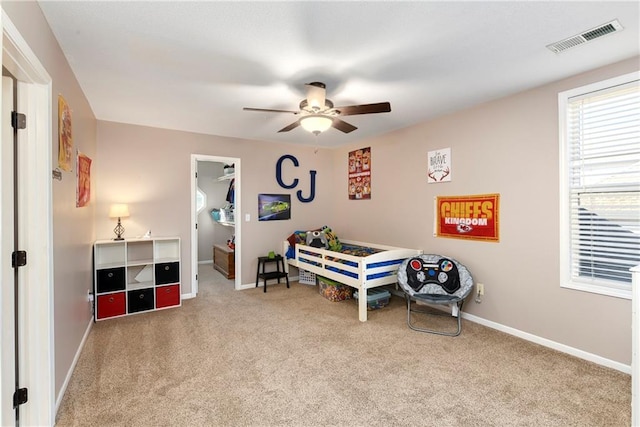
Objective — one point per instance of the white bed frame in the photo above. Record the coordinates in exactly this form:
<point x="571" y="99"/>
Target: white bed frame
<point x="325" y="258"/>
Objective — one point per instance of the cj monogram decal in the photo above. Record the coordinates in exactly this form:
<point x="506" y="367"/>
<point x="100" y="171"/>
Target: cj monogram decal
<point x="294" y="184"/>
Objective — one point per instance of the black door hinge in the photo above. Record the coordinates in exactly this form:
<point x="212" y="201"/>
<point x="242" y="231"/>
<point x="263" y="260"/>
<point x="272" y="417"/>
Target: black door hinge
<point x="20" y="397"/>
<point x="18" y="259"/>
<point x="18" y="120"/>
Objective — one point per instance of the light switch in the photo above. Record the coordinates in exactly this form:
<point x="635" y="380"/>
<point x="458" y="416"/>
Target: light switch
<point x="247" y="217"/>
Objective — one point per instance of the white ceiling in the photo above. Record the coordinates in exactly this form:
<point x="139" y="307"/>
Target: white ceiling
<point x="193" y="65"/>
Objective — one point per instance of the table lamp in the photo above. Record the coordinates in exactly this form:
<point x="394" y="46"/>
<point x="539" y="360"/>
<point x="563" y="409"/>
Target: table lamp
<point x="119" y="211"/>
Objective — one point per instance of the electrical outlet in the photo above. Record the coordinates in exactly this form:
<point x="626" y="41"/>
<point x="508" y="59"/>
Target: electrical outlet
<point x="480" y="289"/>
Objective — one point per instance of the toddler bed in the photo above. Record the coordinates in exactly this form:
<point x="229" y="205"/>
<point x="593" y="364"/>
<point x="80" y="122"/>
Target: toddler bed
<point x="360" y="265"/>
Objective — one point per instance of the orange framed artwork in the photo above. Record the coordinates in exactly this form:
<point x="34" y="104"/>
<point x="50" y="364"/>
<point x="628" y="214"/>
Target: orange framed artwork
<point x="65" y="135"/>
<point x="474" y="217"/>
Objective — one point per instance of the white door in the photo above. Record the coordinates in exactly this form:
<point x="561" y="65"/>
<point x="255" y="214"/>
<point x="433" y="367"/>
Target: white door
<point x="7" y="323"/>
<point x="36" y="333"/>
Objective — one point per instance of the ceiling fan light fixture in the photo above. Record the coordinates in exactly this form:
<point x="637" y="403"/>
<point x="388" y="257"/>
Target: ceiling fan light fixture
<point x="316" y="96"/>
<point x="316" y="123"/>
<point x="317" y="113"/>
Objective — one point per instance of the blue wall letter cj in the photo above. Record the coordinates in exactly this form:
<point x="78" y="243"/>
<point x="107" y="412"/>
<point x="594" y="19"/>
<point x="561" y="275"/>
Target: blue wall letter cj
<point x="312" y="194"/>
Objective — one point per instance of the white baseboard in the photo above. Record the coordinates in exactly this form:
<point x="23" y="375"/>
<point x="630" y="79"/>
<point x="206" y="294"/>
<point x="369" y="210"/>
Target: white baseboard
<point x="63" y="389"/>
<point x="209" y="261"/>
<point x="550" y="344"/>
<point x="187" y="296"/>
<point x="260" y="284"/>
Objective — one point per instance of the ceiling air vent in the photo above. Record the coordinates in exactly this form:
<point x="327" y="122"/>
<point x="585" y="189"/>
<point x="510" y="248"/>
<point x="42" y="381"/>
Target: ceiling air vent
<point x="592" y="34"/>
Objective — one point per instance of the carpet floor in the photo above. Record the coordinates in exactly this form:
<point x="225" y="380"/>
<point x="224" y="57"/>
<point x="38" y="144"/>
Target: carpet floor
<point x="290" y="357"/>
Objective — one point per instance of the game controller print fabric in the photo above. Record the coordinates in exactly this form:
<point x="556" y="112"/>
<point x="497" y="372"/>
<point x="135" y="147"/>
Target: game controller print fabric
<point x="432" y="274"/>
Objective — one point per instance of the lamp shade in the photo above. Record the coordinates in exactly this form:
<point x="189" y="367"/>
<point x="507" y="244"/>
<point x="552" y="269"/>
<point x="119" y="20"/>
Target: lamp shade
<point x="119" y="211"/>
<point x="316" y="123"/>
<point x="316" y="96"/>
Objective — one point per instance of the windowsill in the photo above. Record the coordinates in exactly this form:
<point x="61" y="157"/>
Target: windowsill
<point x="598" y="289"/>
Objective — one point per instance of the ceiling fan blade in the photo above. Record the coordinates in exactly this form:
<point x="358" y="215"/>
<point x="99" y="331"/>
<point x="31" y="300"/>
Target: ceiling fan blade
<point x="343" y="126"/>
<point x="352" y="110"/>
<point x="269" y="110"/>
<point x="316" y="94"/>
<point x="290" y="127"/>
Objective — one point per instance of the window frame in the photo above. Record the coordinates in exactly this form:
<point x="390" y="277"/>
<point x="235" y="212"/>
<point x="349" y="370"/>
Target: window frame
<point x="200" y="195"/>
<point x="597" y="286"/>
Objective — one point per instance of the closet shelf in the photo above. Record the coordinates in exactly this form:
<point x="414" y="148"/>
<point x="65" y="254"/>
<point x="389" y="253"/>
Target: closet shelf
<point x="226" y="177"/>
<point x="227" y="223"/>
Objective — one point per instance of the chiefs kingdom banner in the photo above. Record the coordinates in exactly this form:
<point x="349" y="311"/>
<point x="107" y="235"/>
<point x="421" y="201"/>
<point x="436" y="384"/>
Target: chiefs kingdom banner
<point x="468" y="217"/>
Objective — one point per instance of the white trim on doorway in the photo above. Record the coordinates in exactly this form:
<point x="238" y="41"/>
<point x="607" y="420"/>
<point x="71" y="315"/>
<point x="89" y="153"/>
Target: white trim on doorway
<point x="37" y="371"/>
<point x="195" y="158"/>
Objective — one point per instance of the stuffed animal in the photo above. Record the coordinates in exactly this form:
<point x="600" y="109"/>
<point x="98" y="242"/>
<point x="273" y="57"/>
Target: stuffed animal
<point x="317" y="239"/>
<point x="333" y="243"/>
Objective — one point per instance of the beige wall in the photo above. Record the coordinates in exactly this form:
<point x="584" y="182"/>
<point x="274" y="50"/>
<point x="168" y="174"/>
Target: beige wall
<point x="73" y="231"/>
<point x="509" y="146"/>
<point x="149" y="169"/>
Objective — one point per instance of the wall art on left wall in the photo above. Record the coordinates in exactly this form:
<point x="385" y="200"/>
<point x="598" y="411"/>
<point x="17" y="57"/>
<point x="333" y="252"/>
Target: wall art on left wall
<point x="65" y="136"/>
<point x="83" y="176"/>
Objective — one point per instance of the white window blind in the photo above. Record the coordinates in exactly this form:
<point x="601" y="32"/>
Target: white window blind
<point x="603" y="177"/>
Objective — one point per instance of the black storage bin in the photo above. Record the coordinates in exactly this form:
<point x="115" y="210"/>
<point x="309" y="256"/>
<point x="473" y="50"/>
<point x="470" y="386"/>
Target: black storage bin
<point x="110" y="279"/>
<point x="140" y="300"/>
<point x="168" y="272"/>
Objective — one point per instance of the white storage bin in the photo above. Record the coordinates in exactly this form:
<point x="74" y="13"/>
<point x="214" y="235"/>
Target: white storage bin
<point x="306" y="277"/>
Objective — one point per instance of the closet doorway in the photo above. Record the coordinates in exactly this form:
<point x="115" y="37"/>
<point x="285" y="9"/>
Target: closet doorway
<point x="215" y="213"/>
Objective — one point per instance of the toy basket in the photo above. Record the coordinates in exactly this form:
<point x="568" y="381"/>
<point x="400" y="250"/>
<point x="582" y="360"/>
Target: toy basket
<point x="306" y="277"/>
<point x="334" y="291"/>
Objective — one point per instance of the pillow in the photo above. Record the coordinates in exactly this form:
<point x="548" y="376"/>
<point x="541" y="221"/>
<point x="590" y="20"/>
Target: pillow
<point x="332" y="239"/>
<point x="297" y="237"/>
<point x="317" y="239"/>
<point x="292" y="240"/>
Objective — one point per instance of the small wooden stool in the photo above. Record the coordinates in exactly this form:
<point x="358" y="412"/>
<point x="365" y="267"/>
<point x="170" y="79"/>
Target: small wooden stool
<point x="270" y="275"/>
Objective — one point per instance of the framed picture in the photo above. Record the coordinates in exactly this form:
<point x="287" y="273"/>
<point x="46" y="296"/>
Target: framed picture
<point x="439" y="168"/>
<point x="83" y="178"/>
<point x="65" y="135"/>
<point x="472" y="217"/>
<point x="360" y="174"/>
<point x="273" y="207"/>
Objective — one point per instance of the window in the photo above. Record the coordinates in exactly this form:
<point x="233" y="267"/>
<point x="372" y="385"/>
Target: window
<point x="600" y="179"/>
<point x="201" y="200"/>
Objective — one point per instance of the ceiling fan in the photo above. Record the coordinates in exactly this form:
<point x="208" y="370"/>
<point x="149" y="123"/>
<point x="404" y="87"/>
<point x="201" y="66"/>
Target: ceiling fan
<point x="317" y="113"/>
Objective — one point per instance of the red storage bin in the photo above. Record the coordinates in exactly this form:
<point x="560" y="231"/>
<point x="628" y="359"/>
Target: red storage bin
<point x="167" y="296"/>
<point x="111" y="305"/>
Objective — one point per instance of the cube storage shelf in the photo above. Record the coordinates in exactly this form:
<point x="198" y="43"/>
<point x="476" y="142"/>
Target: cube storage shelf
<point x="136" y="275"/>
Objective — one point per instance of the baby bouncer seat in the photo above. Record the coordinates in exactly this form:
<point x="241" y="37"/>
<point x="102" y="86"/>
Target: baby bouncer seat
<point x="432" y="279"/>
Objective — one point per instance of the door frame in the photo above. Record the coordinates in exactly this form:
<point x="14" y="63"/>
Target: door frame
<point x="195" y="158"/>
<point x="37" y="364"/>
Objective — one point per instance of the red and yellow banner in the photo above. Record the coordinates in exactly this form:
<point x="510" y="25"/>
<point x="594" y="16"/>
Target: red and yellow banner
<point x="83" y="172"/>
<point x="468" y="217"/>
